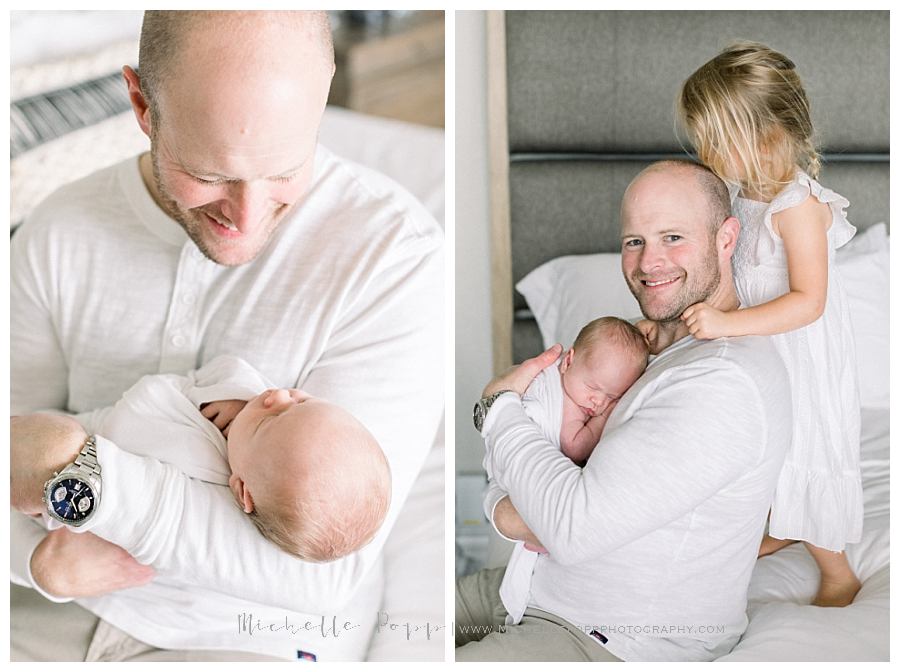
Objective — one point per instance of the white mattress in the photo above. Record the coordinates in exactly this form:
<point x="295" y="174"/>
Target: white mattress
<point x="783" y="624"/>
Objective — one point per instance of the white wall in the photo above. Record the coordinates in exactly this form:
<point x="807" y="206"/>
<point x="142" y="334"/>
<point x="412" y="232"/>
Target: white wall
<point x="473" y="314"/>
<point x="39" y="35"/>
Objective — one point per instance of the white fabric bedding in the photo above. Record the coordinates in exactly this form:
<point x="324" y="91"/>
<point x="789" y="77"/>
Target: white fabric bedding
<point x="783" y="624"/>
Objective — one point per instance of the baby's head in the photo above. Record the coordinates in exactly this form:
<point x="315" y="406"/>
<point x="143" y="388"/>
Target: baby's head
<point x="313" y="479"/>
<point x="607" y="357"/>
<point x="747" y="115"/>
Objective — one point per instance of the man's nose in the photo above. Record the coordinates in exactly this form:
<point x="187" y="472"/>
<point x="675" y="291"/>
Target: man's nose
<point x="247" y="204"/>
<point x="652" y="258"/>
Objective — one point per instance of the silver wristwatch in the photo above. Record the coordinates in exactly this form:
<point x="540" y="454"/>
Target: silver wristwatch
<point x="479" y="413"/>
<point x="73" y="494"/>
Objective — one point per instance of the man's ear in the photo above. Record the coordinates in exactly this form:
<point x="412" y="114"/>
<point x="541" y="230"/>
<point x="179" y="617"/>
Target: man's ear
<point x="241" y="493"/>
<point x="138" y="101"/>
<point x="727" y="236"/>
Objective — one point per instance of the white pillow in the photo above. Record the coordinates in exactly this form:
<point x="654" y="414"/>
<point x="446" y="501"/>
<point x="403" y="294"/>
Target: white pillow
<point x="568" y="292"/>
<point x="864" y="268"/>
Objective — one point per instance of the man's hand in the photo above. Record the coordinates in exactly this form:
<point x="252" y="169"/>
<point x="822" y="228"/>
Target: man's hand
<point x="705" y="322"/>
<point x="536" y="549"/>
<point x="40" y="444"/>
<point x="66" y="564"/>
<point x="221" y="413"/>
<point x="510" y="523"/>
<point x="518" y="378"/>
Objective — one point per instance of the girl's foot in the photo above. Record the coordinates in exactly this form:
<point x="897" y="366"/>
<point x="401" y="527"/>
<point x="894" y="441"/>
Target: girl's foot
<point x="839" y="584"/>
<point x="837" y="593"/>
<point x="770" y="544"/>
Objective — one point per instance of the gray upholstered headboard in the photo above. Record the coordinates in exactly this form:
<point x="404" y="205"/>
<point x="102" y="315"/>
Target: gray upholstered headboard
<point x="589" y="102"/>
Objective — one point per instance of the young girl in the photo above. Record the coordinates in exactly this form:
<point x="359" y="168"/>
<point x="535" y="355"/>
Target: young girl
<point x="748" y="117"/>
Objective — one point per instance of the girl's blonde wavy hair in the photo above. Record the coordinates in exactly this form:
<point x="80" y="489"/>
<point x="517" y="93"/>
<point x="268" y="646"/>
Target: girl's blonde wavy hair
<point x="747" y="107"/>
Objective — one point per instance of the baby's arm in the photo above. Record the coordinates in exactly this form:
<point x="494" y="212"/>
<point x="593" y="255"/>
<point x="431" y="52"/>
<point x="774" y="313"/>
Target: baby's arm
<point x="580" y="432"/>
<point x="587" y="438"/>
<point x="579" y="447"/>
<point x="804" y="231"/>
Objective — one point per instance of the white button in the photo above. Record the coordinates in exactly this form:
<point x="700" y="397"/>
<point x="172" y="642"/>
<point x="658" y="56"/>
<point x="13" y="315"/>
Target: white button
<point x="188" y="299"/>
<point x="178" y="340"/>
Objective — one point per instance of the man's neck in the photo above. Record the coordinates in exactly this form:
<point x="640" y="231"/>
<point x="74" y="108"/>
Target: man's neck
<point x="724" y="298"/>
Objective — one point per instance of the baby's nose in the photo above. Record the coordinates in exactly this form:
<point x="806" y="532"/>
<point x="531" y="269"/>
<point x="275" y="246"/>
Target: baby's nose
<point x="278" y="398"/>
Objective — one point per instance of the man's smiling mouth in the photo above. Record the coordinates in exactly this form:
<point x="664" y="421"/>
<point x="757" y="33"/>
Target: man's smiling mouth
<point x="659" y="283"/>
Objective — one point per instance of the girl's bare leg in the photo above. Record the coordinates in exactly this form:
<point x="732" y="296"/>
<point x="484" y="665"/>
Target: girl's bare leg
<point x="839" y="584"/>
<point x="770" y="544"/>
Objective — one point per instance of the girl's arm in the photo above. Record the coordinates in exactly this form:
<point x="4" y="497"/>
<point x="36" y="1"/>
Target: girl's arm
<point x="804" y="231"/>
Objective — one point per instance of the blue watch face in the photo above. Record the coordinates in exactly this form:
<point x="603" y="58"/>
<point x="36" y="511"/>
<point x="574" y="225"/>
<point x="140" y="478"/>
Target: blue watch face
<point x="72" y="499"/>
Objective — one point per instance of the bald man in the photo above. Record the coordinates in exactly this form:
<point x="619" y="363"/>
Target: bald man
<point x="650" y="545"/>
<point x="236" y="234"/>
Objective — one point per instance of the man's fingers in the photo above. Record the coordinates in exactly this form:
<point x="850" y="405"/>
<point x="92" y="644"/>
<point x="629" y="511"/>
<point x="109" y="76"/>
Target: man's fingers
<point x="209" y="411"/>
<point x="543" y="360"/>
<point x="553" y="351"/>
<point x="519" y="377"/>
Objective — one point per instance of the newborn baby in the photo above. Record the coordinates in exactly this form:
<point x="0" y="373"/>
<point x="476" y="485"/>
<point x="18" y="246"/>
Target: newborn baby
<point x="311" y="477"/>
<point x="571" y="401"/>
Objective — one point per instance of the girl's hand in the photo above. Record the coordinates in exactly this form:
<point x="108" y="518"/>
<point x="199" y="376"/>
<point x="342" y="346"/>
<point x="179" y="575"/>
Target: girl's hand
<point x="705" y="322"/>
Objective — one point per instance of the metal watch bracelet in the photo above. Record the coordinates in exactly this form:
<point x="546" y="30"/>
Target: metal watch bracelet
<point x="86" y="460"/>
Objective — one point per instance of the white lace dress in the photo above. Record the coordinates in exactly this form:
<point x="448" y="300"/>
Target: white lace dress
<point x="819" y="493"/>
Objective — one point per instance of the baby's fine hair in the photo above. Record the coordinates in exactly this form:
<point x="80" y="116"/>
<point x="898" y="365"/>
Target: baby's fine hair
<point x="342" y="514"/>
<point x="621" y="331"/>
<point x="746" y="98"/>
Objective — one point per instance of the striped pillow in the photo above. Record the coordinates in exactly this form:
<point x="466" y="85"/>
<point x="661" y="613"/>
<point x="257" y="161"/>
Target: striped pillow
<point x="47" y="116"/>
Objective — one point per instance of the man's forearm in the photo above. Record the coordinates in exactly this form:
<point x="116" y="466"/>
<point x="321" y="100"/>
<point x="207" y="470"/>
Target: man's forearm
<point x="511" y="524"/>
<point x="40" y="444"/>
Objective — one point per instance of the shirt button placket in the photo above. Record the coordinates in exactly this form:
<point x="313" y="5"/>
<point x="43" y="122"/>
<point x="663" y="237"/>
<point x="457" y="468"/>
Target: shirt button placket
<point x="179" y="347"/>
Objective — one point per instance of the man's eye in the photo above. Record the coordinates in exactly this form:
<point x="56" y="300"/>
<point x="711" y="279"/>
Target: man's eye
<point x="634" y="242"/>
<point x="285" y="178"/>
<point x="672" y="238"/>
<point x="205" y="181"/>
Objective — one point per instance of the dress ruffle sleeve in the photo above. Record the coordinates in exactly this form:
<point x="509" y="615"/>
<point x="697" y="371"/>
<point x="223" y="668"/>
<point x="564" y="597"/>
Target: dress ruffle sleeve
<point x="794" y="194"/>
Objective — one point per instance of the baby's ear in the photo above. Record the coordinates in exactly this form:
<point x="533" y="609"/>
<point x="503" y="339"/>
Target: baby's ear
<point x="241" y="493"/>
<point x="566" y="360"/>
